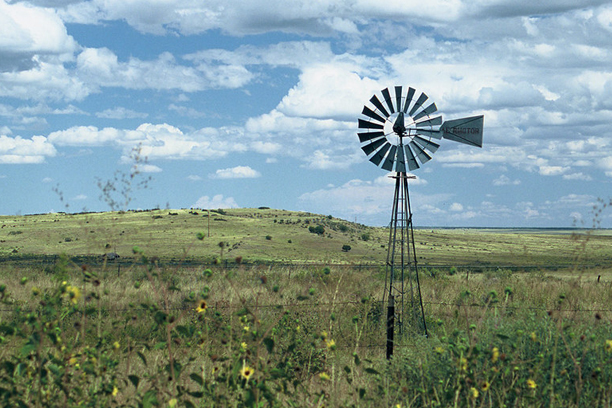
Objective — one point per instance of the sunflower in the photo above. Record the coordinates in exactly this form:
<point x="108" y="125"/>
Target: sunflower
<point x="485" y="386"/>
<point x="246" y="372"/>
<point x="74" y="293"/>
<point x="531" y="384"/>
<point x="202" y="306"/>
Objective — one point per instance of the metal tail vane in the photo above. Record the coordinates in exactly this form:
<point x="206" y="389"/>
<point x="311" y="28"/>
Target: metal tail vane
<point x="396" y="133"/>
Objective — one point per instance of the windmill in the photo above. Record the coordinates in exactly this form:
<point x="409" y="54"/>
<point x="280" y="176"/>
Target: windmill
<point x="397" y="136"/>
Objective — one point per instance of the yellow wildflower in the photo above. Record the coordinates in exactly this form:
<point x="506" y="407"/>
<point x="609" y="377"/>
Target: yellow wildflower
<point x="531" y="384"/>
<point x="331" y="344"/>
<point x="246" y="329"/>
<point x="243" y="347"/>
<point x="608" y="346"/>
<point x="73" y="361"/>
<point x="116" y="345"/>
<point x="246" y="372"/>
<point x="485" y="386"/>
<point x="74" y="293"/>
<point x="201" y="306"/>
<point x="439" y="350"/>
<point x="172" y="403"/>
<point x="495" y="354"/>
<point x="324" y="376"/>
<point x="463" y="364"/>
<point x="473" y="393"/>
<point x="534" y="336"/>
<point x="115" y="391"/>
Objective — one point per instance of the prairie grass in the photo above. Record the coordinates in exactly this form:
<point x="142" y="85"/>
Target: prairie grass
<point x="158" y="335"/>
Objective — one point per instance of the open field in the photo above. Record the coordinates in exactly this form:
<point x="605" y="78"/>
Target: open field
<point x="284" y="236"/>
<point x="306" y="331"/>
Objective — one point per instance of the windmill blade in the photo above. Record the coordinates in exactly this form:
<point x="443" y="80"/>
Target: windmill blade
<point x="431" y="146"/>
<point x="418" y="103"/>
<point x="370" y="113"/>
<point x="370" y="148"/>
<point x="376" y="102"/>
<point x="425" y="112"/>
<point x="398" y="98"/>
<point x="431" y="133"/>
<point x="377" y="158"/>
<point x="390" y="160"/>
<point x="364" y="124"/>
<point x="464" y="130"/>
<point x="364" y="137"/>
<point x="420" y="153"/>
<point x="411" y="92"/>
<point x="387" y="96"/>
<point x="412" y="163"/>
<point x="400" y="167"/>
<point x="430" y="122"/>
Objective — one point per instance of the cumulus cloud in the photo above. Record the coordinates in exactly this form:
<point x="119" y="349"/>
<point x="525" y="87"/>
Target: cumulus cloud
<point x="217" y="201"/>
<point x="101" y="67"/>
<point x="236" y="173"/>
<point x="17" y="150"/>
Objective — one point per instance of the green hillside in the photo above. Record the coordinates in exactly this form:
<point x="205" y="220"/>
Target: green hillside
<point x="283" y="236"/>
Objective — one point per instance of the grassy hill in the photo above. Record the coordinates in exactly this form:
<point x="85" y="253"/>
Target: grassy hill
<point x="283" y="236"/>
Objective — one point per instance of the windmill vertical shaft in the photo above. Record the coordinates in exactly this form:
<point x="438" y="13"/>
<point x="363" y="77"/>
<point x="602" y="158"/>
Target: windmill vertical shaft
<point x="402" y="266"/>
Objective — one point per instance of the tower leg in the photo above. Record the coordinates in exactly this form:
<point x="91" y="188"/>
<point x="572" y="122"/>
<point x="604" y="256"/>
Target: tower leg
<point x="390" y="325"/>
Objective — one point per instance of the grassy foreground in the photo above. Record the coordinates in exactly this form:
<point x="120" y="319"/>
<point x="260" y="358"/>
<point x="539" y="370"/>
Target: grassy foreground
<point x="153" y="336"/>
<point x="159" y="334"/>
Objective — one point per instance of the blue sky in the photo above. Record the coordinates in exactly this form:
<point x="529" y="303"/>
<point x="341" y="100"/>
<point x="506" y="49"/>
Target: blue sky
<point x="249" y="104"/>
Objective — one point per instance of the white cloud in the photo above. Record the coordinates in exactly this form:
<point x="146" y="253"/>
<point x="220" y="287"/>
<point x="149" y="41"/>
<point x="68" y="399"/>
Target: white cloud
<point x="236" y="173"/>
<point x="504" y="180"/>
<point x="149" y="168"/>
<point x="553" y="170"/>
<point x="25" y="151"/>
<point x="577" y="176"/>
<point x="101" y="67"/>
<point x="456" y="207"/>
<point x="333" y="90"/>
<point x="194" y="177"/>
<point x="28" y="29"/>
<point x="215" y="202"/>
<point x="121" y="113"/>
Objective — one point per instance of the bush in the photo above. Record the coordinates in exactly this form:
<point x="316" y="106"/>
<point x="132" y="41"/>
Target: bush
<point x="346" y="248"/>
<point x="319" y="229"/>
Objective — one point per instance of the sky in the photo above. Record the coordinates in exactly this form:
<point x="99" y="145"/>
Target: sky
<point x="233" y="103"/>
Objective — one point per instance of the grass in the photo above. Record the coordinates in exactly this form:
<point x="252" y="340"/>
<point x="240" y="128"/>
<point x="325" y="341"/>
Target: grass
<point x="310" y="336"/>
<point x="284" y="236"/>
<point x="158" y="333"/>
